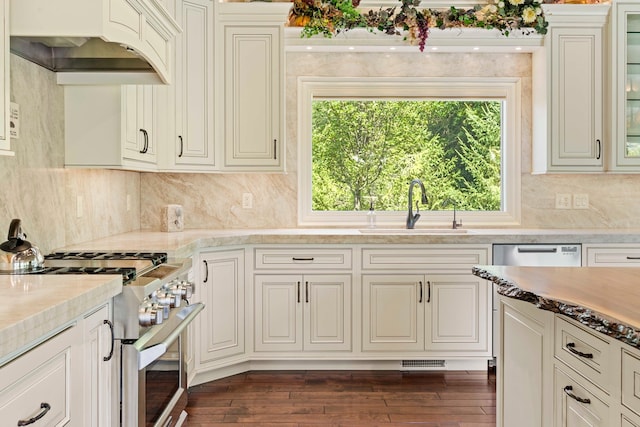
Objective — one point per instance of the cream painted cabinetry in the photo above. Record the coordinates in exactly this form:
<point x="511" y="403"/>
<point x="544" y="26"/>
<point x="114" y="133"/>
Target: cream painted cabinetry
<point x="69" y="379"/>
<point x="220" y="328"/>
<point x="100" y="384"/>
<point x="5" y="144"/>
<point x="111" y="126"/>
<point x="554" y="371"/>
<point x="444" y="312"/>
<point x="302" y="299"/>
<point x="310" y="312"/>
<point x="611" y="255"/>
<point x="46" y="382"/>
<point x="250" y="78"/>
<point x="575" y="60"/>
<point x="190" y="137"/>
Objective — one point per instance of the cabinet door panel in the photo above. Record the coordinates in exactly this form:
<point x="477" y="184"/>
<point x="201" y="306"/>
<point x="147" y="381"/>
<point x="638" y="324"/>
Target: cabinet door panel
<point x="393" y="316"/>
<point x="577" y="115"/>
<point x="278" y="318"/>
<point x="253" y="85"/>
<point x="98" y="372"/>
<point x="457" y="314"/>
<point x="571" y="412"/>
<point x="327" y="312"/>
<point x="194" y="144"/>
<point x="222" y="321"/>
<point x="524" y="358"/>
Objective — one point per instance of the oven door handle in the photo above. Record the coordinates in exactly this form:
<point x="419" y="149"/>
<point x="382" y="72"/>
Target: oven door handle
<point x="155" y="343"/>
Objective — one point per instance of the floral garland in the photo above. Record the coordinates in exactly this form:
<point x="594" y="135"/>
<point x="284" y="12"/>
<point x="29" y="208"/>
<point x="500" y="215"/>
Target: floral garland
<point x="330" y="17"/>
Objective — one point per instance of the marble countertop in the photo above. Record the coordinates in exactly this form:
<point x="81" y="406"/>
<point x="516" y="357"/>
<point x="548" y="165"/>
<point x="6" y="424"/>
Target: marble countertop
<point x="602" y="298"/>
<point x="185" y="243"/>
<point x="36" y="306"/>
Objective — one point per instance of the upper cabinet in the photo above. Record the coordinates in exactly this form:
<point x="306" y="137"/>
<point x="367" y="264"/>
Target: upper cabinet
<point x="626" y="86"/>
<point x="574" y="75"/>
<point x="4" y="79"/>
<point x="111" y="126"/>
<point x="190" y="137"/>
<point x="250" y="78"/>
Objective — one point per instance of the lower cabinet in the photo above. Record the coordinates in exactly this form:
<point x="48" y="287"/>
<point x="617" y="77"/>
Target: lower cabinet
<point x="440" y="313"/>
<point x="99" y="369"/>
<point x="575" y="402"/>
<point x="69" y="379"/>
<point x="525" y="363"/>
<point x="45" y="383"/>
<point x="295" y="312"/>
<point x="540" y="386"/>
<point x="220" y="327"/>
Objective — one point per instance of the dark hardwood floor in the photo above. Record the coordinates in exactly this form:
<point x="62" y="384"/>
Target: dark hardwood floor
<point x="345" y="398"/>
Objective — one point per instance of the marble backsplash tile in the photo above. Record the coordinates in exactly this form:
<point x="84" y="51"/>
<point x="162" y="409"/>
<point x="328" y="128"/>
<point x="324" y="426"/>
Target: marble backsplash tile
<point x="36" y="187"/>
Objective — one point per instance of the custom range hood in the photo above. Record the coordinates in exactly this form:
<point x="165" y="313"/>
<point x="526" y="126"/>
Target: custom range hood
<point x="96" y="41"/>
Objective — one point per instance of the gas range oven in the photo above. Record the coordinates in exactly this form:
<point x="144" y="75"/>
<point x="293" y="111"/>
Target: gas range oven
<point x="150" y="318"/>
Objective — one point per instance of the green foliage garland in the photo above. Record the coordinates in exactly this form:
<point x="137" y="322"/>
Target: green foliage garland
<point x="330" y="17"/>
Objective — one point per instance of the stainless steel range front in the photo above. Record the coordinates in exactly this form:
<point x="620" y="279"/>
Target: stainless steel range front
<point x="150" y="319"/>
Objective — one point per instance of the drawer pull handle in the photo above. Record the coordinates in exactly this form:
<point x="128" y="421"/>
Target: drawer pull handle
<point x="45" y="408"/>
<point x="633" y="257"/>
<point x="571" y="347"/>
<point x="302" y="259"/>
<point x="569" y="391"/>
<point x="113" y="340"/>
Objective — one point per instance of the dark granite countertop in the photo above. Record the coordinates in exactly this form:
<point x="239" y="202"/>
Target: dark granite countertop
<point x="605" y="299"/>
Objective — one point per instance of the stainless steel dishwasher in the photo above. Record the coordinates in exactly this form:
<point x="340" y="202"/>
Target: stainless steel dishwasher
<point x="532" y="255"/>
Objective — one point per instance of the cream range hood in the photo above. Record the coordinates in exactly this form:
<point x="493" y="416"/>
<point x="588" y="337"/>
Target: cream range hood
<point x="96" y="41"/>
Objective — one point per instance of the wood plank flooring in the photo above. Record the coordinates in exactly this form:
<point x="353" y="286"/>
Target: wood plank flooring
<point x="345" y="398"/>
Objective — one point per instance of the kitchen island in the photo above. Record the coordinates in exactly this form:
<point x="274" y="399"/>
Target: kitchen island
<point x="569" y="350"/>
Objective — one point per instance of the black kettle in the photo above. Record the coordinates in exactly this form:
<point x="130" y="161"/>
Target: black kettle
<point x="17" y="255"/>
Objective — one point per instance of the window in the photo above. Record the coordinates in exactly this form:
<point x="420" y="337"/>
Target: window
<point x="363" y="140"/>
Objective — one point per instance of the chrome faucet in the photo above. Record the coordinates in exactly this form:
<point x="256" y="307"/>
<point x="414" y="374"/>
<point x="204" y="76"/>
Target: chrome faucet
<point x="411" y="218"/>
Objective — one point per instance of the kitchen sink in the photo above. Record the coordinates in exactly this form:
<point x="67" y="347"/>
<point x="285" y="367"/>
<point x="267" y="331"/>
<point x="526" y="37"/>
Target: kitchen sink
<point x="413" y="231"/>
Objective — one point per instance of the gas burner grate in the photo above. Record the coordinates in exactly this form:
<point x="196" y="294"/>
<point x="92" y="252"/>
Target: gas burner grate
<point x="156" y="258"/>
<point x="128" y="274"/>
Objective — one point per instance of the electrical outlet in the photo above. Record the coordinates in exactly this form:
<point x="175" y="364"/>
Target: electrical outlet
<point x="247" y="201"/>
<point x="581" y="201"/>
<point x="563" y="201"/>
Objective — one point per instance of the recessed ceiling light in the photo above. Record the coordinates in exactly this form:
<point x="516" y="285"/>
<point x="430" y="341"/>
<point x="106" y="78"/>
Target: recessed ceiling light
<point x="434" y="48"/>
<point x="351" y="48"/>
<point x="518" y="48"/>
<point x="309" y="47"/>
<point x="392" y="48"/>
<point x="476" y="48"/>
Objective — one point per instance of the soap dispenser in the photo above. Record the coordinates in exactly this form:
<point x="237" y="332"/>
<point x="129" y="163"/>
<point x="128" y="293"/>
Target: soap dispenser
<point x="371" y="215"/>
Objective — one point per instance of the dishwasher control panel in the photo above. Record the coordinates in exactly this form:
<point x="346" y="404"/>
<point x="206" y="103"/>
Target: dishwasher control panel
<point x="538" y="254"/>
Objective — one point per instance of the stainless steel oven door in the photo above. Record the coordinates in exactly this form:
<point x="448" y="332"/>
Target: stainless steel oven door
<point x="154" y="376"/>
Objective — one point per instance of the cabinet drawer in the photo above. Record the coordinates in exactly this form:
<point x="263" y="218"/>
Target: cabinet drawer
<point x="428" y="258"/>
<point x="584" y="352"/>
<point x="40" y="377"/>
<point x="631" y="381"/>
<point x="302" y="258"/>
<point x="576" y="402"/>
<point x="613" y="257"/>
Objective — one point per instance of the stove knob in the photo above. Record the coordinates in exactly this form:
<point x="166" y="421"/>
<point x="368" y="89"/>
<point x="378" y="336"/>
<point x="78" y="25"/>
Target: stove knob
<point x="166" y="298"/>
<point x="188" y="288"/>
<point x="150" y="314"/>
